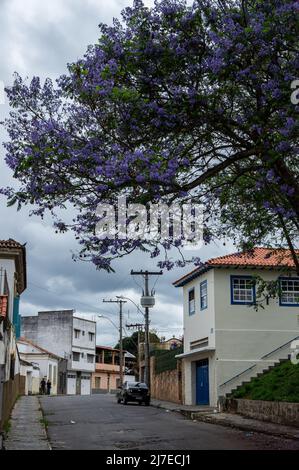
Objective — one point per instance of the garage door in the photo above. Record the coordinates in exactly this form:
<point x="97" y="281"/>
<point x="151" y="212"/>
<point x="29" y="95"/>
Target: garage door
<point x="85" y="385"/>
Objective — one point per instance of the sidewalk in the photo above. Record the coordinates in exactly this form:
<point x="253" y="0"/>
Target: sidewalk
<point x="186" y="410"/>
<point x="212" y="416"/>
<point x="27" y="431"/>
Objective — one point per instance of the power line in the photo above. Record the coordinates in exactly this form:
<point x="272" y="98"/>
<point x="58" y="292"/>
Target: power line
<point x="77" y="302"/>
<point x="120" y="302"/>
<point x="147" y="304"/>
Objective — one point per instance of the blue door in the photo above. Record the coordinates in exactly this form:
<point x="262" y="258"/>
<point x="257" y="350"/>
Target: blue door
<point x="202" y="382"/>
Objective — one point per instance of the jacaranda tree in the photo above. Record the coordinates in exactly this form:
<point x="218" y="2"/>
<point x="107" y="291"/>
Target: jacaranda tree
<point x="173" y="103"/>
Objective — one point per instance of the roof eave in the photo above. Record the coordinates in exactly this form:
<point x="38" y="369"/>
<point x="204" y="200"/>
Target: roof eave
<point x="191" y="276"/>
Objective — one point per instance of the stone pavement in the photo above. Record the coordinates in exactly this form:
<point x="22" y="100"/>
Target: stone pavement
<point x="212" y="416"/>
<point x="27" y="431"/>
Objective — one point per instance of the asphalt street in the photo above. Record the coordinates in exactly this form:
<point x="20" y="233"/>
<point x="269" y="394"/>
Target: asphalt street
<point x="98" y="422"/>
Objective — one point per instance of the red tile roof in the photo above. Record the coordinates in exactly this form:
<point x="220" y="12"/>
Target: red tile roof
<point x="107" y="348"/>
<point x="258" y="257"/>
<point x="10" y="244"/>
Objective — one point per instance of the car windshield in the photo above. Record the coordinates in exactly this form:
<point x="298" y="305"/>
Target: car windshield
<point x="137" y="384"/>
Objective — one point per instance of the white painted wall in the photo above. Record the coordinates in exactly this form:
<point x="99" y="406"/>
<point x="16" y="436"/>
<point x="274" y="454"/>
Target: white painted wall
<point x="9" y="266"/>
<point x="84" y="345"/>
<point x="31" y="354"/>
<point x="240" y="334"/>
<point x="9" y="347"/>
<point x="244" y="335"/>
<point x="202" y="323"/>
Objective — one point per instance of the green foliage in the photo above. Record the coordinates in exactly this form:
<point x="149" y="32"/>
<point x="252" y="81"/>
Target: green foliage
<point x="130" y="343"/>
<point x="44" y="422"/>
<point x="279" y="384"/>
<point x="166" y="360"/>
<point x="7" y="426"/>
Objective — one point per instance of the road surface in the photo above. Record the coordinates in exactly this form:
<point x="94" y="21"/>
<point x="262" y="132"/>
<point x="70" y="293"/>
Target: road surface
<point x="98" y="422"/>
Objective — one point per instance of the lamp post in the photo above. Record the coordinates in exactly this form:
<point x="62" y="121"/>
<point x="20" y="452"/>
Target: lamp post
<point x="131" y="300"/>
<point x="107" y="318"/>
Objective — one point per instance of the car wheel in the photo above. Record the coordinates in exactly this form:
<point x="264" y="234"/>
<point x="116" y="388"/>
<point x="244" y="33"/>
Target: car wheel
<point x="147" y="403"/>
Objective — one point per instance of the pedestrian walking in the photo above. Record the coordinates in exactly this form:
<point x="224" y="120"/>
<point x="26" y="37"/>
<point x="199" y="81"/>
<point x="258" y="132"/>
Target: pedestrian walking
<point x="43" y="387"/>
<point x="49" y="385"/>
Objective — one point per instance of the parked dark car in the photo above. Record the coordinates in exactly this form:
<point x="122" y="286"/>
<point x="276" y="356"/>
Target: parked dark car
<point x="135" y="392"/>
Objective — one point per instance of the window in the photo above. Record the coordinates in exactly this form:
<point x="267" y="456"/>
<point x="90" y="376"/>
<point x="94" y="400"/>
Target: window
<point x="289" y="292"/>
<point x="76" y="356"/>
<point x="77" y="334"/>
<point x="83" y="333"/>
<point x="82" y="355"/>
<point x="90" y="358"/>
<point x="242" y="290"/>
<point x="191" y="301"/>
<point x="203" y="295"/>
<point x="90" y="336"/>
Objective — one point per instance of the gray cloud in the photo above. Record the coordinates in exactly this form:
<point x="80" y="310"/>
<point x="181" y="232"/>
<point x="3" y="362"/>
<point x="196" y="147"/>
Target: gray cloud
<point x="40" y="38"/>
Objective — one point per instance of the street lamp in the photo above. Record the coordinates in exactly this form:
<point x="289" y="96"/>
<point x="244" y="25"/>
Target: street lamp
<point x="107" y="318"/>
<point x="128" y="298"/>
<point x="120" y="328"/>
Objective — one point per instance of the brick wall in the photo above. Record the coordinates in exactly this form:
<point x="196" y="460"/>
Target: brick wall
<point x="11" y="390"/>
<point x="167" y="385"/>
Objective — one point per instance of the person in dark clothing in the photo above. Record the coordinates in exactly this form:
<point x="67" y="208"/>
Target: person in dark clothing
<point x="49" y="385"/>
<point x="43" y="387"/>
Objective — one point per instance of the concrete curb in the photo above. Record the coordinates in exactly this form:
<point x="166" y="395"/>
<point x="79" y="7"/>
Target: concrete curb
<point x="249" y="425"/>
<point x="233" y="421"/>
<point x="45" y="429"/>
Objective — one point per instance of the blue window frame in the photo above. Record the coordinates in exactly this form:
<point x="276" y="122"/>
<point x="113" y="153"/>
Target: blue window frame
<point x="203" y="295"/>
<point x="289" y="291"/>
<point x="242" y="290"/>
<point x="191" y="301"/>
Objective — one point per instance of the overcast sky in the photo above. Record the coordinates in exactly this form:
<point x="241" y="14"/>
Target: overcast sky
<point x="40" y="38"/>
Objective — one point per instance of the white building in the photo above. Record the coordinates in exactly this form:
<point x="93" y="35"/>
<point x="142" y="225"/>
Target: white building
<point x="227" y="341"/>
<point x="46" y="362"/>
<point x="12" y="284"/>
<point x="70" y="337"/>
<point x="31" y="372"/>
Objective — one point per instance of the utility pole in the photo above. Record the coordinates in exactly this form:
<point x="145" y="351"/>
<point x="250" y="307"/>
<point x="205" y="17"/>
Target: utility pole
<point x="120" y="302"/>
<point x="147" y="301"/>
<point x="139" y="327"/>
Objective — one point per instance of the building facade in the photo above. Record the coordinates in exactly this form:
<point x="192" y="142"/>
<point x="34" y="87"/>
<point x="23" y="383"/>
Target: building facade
<point x="12" y="285"/>
<point x="49" y="366"/>
<point x="169" y="344"/>
<point x="70" y="337"/>
<point x="31" y="373"/>
<point x="227" y="339"/>
<point x="106" y="378"/>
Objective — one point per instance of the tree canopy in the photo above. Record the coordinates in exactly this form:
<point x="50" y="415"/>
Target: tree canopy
<point x="130" y="343"/>
<point x="173" y="103"/>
